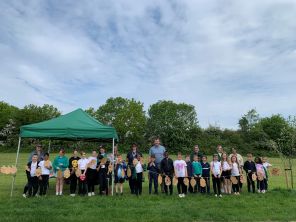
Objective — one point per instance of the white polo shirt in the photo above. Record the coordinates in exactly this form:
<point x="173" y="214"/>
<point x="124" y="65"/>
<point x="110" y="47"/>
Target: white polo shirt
<point x="82" y="163"/>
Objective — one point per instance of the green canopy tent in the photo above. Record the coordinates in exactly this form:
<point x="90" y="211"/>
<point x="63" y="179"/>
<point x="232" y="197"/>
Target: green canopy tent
<point x="74" y="126"/>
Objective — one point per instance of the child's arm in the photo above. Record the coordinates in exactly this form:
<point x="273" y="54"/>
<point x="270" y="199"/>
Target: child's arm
<point x="86" y="166"/>
<point x="230" y="167"/>
<point x="200" y="169"/>
<point x="186" y="175"/>
<point x="176" y="175"/>
<point x="66" y="162"/>
<point x="269" y="166"/>
<point x="220" y="172"/>
<point x="211" y="168"/>
<point x="240" y="171"/>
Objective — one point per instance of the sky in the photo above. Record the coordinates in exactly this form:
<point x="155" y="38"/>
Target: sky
<point x="224" y="57"/>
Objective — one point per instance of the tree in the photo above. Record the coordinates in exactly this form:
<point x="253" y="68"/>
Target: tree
<point x="7" y="112"/>
<point x="171" y="122"/>
<point x="249" y="120"/>
<point x="273" y="126"/>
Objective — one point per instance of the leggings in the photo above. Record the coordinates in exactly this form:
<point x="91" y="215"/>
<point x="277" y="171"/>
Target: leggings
<point x="82" y="185"/>
<point x="181" y="184"/>
<point x="73" y="184"/>
<point x="91" y="180"/>
<point x="103" y="179"/>
<point x="260" y="185"/>
<point x="138" y="183"/>
<point x="216" y="184"/>
<point x="265" y="183"/>
<point x="235" y="187"/>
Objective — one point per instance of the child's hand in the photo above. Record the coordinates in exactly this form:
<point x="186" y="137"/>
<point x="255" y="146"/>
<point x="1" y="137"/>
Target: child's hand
<point x="73" y="168"/>
<point x="199" y="176"/>
<point x="61" y="164"/>
<point x="267" y="179"/>
<point x="249" y="171"/>
<point x="219" y="176"/>
<point x="186" y="175"/>
<point x="195" y="175"/>
<point x="164" y="174"/>
<point x="176" y="176"/>
<point x="58" y="168"/>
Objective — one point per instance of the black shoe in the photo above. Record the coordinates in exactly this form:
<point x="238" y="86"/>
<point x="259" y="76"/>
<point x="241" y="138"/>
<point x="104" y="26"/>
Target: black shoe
<point x="166" y="193"/>
<point x="163" y="191"/>
<point x="136" y="194"/>
<point x="121" y="194"/>
<point x="117" y="194"/>
<point x="156" y="192"/>
<point x="171" y="193"/>
<point x="132" y="192"/>
<point x="149" y="193"/>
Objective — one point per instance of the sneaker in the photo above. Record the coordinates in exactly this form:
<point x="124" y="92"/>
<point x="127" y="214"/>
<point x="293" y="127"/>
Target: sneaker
<point x="71" y="195"/>
<point x="24" y="195"/>
<point x="183" y="195"/>
<point x="258" y="191"/>
<point x="215" y="195"/>
<point x="89" y="194"/>
<point x="220" y="195"/>
<point x="222" y="190"/>
<point x="93" y="193"/>
<point x="180" y="195"/>
<point x="121" y="194"/>
<point x="57" y="193"/>
<point x="61" y="193"/>
<point x="110" y="191"/>
<point x="36" y="195"/>
<point x="117" y="194"/>
<point x="263" y="191"/>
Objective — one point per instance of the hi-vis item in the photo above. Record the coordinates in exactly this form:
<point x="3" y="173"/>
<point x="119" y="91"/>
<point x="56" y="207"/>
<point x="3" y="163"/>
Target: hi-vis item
<point x="122" y="174"/>
<point x="60" y="174"/>
<point x="254" y="177"/>
<point x="110" y="168"/>
<point x="175" y="181"/>
<point x="260" y="176"/>
<point x="3" y="169"/>
<point x="192" y="182"/>
<point x="167" y="181"/>
<point x="8" y="170"/>
<point x="129" y="172"/>
<point x="233" y="180"/>
<point x="142" y="160"/>
<point x="202" y="182"/>
<point x="46" y="163"/>
<point x="103" y="161"/>
<point x="276" y="171"/>
<point x="27" y="168"/>
<point x="92" y="163"/>
<point x="77" y="172"/>
<point x="135" y="162"/>
<point x="159" y="179"/>
<point x="186" y="181"/>
<point x="67" y="173"/>
<point x="38" y="172"/>
<point x="13" y="170"/>
<point x="243" y="179"/>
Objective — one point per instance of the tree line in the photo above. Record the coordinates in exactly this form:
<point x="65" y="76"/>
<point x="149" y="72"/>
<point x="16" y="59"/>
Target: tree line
<point x="175" y="124"/>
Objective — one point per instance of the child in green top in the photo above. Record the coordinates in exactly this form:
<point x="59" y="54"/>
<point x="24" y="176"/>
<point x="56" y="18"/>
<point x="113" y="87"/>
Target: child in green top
<point x="197" y="172"/>
<point x="60" y="163"/>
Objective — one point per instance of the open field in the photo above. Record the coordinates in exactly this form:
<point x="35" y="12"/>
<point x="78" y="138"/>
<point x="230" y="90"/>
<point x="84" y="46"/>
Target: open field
<point x="278" y="204"/>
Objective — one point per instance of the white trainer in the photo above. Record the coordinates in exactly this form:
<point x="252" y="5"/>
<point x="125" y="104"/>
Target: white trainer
<point x="215" y="195"/>
<point x="89" y="194"/>
<point x="220" y="195"/>
<point x="57" y="193"/>
<point x="222" y="190"/>
<point x="183" y="195"/>
<point x="180" y="195"/>
<point x="93" y="193"/>
<point x="24" y="195"/>
<point x="36" y="195"/>
<point x="61" y="193"/>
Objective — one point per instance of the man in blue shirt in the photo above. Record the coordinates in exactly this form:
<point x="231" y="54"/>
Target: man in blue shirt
<point x="158" y="150"/>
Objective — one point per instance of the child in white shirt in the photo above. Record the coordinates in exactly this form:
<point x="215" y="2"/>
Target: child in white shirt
<point x="216" y="170"/>
<point x="180" y="168"/>
<point x="43" y="182"/>
<point x="82" y="165"/>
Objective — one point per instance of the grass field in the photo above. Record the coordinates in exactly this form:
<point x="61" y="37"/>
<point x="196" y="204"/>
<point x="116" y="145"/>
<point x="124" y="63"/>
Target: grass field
<point x="278" y="204"/>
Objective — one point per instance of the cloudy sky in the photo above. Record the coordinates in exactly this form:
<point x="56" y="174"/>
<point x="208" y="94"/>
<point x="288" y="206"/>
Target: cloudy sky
<point x="223" y="57"/>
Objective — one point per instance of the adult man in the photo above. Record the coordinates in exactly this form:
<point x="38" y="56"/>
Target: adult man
<point x="158" y="150"/>
<point x="40" y="153"/>
<point x="196" y="152"/>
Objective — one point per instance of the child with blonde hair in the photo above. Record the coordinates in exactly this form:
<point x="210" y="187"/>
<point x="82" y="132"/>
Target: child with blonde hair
<point x="216" y="170"/>
<point x="236" y="172"/>
<point x="226" y="167"/>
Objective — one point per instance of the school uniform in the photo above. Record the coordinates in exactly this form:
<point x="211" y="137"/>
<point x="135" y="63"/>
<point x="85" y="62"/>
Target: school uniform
<point x="216" y="180"/>
<point x="82" y="184"/>
<point x="225" y="174"/>
<point x="73" y="163"/>
<point x="206" y="175"/>
<point x="32" y="178"/>
<point x="167" y="167"/>
<point x="190" y="173"/>
<point x="45" y="176"/>
<point x="119" y="168"/>
<point x="103" y="178"/>
<point x="91" y="175"/>
<point x="235" y="173"/>
<point x="131" y="156"/>
<point x="180" y="170"/>
<point x="197" y="170"/>
<point x="265" y="179"/>
<point x="250" y="165"/>
<point x="137" y="176"/>
<point x="260" y="169"/>
<point x="153" y="177"/>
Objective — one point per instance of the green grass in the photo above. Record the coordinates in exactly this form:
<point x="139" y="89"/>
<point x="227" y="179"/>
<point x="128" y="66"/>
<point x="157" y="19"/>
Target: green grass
<point x="278" y="204"/>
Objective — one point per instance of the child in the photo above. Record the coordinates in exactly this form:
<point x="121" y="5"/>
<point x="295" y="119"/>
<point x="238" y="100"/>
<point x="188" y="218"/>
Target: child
<point x="44" y="175"/>
<point x="92" y="174"/>
<point x="137" y="175"/>
<point x="190" y="172"/>
<point x="266" y="165"/>
<point x="216" y="170"/>
<point x="206" y="173"/>
<point x="197" y="171"/>
<point x="226" y="171"/>
<point x="82" y="165"/>
<point x="153" y="167"/>
<point x="180" y="168"/>
<point x="236" y="172"/>
<point x="103" y="177"/>
<point x="32" y="178"/>
<point x="167" y="169"/>
<point x="73" y="164"/>
<point x="60" y="163"/>
<point x="118" y="179"/>
<point x="250" y="168"/>
<point x="260" y="169"/>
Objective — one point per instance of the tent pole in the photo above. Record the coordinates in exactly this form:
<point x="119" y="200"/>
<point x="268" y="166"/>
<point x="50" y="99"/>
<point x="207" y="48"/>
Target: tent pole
<point x="112" y="178"/>
<point x="18" y="150"/>
<point x="49" y="145"/>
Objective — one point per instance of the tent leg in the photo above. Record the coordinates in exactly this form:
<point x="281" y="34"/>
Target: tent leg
<point x="49" y="145"/>
<point x="18" y="151"/>
<point x="113" y="169"/>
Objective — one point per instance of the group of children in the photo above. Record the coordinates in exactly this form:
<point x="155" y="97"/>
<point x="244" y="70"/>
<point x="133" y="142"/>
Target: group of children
<point x="98" y="173"/>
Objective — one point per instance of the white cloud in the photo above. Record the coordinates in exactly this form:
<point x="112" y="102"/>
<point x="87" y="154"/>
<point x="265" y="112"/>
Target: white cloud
<point x="224" y="57"/>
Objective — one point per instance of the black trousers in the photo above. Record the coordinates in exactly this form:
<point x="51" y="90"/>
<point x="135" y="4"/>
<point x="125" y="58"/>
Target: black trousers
<point x="250" y="182"/>
<point x="73" y="184"/>
<point x="235" y="187"/>
<point x="131" y="184"/>
<point x="103" y="180"/>
<point x="260" y="185"/>
<point x="82" y="185"/>
<point x="153" y="177"/>
<point x="181" y="185"/>
<point x="43" y="184"/>
<point x="197" y="186"/>
<point x="216" y="184"/>
<point x="91" y="180"/>
<point x="266" y="185"/>
<point x="170" y="186"/>
<point x="33" y="184"/>
<point x="206" y="189"/>
<point x="138" y="183"/>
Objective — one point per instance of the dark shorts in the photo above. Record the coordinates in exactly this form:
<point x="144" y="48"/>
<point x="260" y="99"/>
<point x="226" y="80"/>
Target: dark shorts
<point x="225" y="174"/>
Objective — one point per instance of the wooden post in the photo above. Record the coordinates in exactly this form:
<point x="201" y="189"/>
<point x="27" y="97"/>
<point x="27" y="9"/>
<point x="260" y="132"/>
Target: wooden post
<point x="286" y="173"/>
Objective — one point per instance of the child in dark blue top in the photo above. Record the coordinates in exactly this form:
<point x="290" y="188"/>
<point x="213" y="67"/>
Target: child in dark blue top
<point x="152" y="167"/>
<point x="189" y="172"/>
<point x="206" y="173"/>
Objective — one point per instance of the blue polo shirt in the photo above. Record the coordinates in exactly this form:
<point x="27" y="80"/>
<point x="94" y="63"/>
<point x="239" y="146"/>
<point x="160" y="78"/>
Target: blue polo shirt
<point x="158" y="151"/>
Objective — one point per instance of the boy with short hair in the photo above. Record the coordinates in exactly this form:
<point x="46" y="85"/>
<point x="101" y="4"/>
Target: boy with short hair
<point x="118" y="169"/>
<point x="153" y="167"/>
<point x="197" y="172"/>
<point x="190" y="172"/>
<point x="167" y="169"/>
<point x="44" y="175"/>
<point x="206" y="174"/>
<point x="32" y="178"/>
<point x="266" y="165"/>
<point x="180" y="168"/>
<point x="250" y="168"/>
